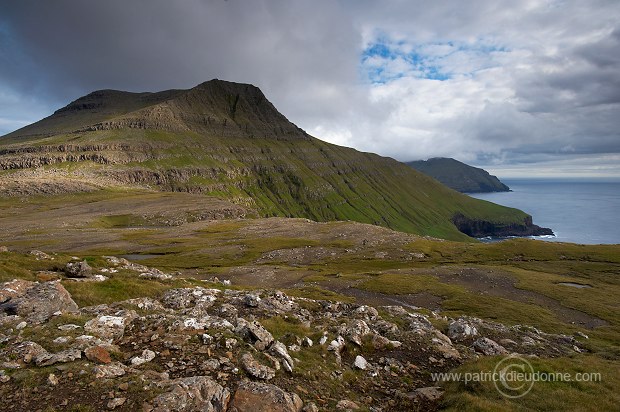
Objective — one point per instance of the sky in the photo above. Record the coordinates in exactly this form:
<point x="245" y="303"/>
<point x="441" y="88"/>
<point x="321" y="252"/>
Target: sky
<point x="521" y="88"/>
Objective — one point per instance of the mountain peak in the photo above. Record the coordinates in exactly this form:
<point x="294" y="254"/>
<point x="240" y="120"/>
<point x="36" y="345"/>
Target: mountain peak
<point x="215" y="107"/>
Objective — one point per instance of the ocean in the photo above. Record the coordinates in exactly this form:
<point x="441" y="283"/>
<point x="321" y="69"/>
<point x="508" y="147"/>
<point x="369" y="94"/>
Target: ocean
<point x="578" y="211"/>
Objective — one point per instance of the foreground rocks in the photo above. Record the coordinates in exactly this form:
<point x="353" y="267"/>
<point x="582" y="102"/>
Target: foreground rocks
<point x="205" y="349"/>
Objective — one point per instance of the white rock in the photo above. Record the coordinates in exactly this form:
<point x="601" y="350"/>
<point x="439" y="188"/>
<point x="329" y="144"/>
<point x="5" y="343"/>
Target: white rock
<point x="360" y="362"/>
<point x="147" y="356"/>
<point x="21" y="325"/>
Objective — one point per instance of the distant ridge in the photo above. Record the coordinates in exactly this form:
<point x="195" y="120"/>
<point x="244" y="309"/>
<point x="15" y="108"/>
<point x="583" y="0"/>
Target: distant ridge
<point x="226" y="140"/>
<point x="459" y="176"/>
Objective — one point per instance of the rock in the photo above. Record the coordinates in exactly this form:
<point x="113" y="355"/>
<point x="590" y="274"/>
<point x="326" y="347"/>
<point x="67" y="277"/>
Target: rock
<point x="336" y="345"/>
<point x="356" y="330"/>
<point x="489" y="347"/>
<point x="111" y="370"/>
<point x="347" y="405"/>
<point x="188" y="297"/>
<point x="278" y="349"/>
<point x="21" y="325"/>
<point x="255" y="332"/>
<point x="28" y="351"/>
<point x="310" y="407"/>
<point x="196" y="393"/>
<point x="14" y="288"/>
<point x="147" y="356"/>
<point x="106" y="327"/>
<point x="263" y="397"/>
<point x="428" y="394"/>
<point x="4" y="378"/>
<point x="367" y="312"/>
<point x="116" y="402"/>
<point x="306" y="342"/>
<point x="251" y="300"/>
<point x="39" y="302"/>
<point x="3" y="249"/>
<point x="207" y="339"/>
<point x="581" y="334"/>
<point x="40" y="255"/>
<point x="68" y="327"/>
<point x="47" y="359"/>
<point x="78" y="269"/>
<point x="52" y="379"/>
<point x="98" y="354"/>
<point x="360" y="363"/>
<point x="461" y="330"/>
<point x="255" y="369"/>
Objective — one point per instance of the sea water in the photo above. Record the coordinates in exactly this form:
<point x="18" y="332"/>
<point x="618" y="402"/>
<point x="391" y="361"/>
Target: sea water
<point x="577" y="211"/>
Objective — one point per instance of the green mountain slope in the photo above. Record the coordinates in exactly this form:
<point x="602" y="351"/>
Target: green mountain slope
<point x="459" y="176"/>
<point x="227" y="140"/>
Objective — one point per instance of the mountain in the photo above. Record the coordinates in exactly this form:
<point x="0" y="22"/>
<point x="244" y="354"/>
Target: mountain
<point x="459" y="176"/>
<point x="226" y="140"/>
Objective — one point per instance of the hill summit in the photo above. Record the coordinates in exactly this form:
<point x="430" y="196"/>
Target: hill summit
<point x="226" y="140"/>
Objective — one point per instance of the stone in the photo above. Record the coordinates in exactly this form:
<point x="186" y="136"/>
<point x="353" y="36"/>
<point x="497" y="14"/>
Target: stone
<point x="251" y="300"/>
<point x="39" y="302"/>
<point x="429" y="394"/>
<point x="14" y="288"/>
<point x="489" y="347"/>
<point x="40" y="255"/>
<point x="337" y="345"/>
<point x="184" y="298"/>
<point x="310" y="407"/>
<point x="255" y="369"/>
<point x="111" y="370"/>
<point x="78" y="269"/>
<point x="28" y="351"/>
<point x="69" y="326"/>
<point x="360" y="363"/>
<point x="347" y="405"/>
<point x="196" y="393"/>
<point x="106" y="327"/>
<point x="307" y="342"/>
<point x="356" y="330"/>
<point x="3" y="249"/>
<point x="97" y="354"/>
<point x="278" y="349"/>
<point x="52" y="379"/>
<point x="255" y="333"/>
<point x="263" y="397"/>
<point x="47" y="359"/>
<point x="116" y="402"/>
<point x="21" y="325"/>
<point x="460" y="329"/>
<point x="146" y="356"/>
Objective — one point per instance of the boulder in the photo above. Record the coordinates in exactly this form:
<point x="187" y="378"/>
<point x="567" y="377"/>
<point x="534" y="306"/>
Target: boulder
<point x="78" y="269"/>
<point x="47" y="359"/>
<point x="188" y="297"/>
<point x="106" y="327"/>
<point x="360" y="363"/>
<point x="489" y="347"/>
<point x="356" y="330"/>
<point x="146" y="356"/>
<point x="111" y="370"/>
<point x="255" y="369"/>
<point x="263" y="397"/>
<point x="255" y="332"/>
<point x="97" y="354"/>
<point x="39" y="302"/>
<point x="196" y="393"/>
<point x="461" y="329"/>
<point x="347" y="405"/>
<point x="278" y="349"/>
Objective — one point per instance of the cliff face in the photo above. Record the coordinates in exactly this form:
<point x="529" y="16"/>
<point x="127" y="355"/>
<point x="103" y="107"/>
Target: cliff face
<point x="480" y="228"/>
<point x="459" y="176"/>
<point x="227" y="140"/>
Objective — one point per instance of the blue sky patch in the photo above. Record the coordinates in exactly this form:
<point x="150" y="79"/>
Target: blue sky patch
<point x="385" y="59"/>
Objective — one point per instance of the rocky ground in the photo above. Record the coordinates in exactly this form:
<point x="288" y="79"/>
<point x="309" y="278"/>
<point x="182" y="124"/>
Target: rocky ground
<point x="218" y="348"/>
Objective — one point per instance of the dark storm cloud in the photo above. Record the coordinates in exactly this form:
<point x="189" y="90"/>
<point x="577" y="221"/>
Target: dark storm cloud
<point x="487" y="81"/>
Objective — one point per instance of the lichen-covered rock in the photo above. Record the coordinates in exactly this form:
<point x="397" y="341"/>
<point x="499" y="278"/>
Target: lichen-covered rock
<point x="255" y="333"/>
<point x="47" y="359"/>
<point x="97" y="354"/>
<point x="278" y="349"/>
<point x="146" y="356"/>
<point x="106" y="327"/>
<point x="461" y="329"/>
<point x="111" y="370"/>
<point x="263" y="397"/>
<point x="356" y="330"/>
<point x="196" y="393"/>
<point x="39" y="302"/>
<point x="255" y="369"/>
<point x="188" y="297"/>
<point x="78" y="269"/>
<point x="489" y="347"/>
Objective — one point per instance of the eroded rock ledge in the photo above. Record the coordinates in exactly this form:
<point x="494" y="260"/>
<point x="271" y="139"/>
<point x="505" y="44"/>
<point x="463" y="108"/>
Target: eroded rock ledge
<point x="481" y="228"/>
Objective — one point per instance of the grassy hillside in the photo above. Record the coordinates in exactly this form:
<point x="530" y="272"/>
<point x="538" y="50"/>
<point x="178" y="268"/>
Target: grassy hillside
<point x="227" y="140"/>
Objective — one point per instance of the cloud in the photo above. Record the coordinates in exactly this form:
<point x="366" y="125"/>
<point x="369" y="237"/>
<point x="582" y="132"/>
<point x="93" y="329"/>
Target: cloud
<point x="492" y="83"/>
